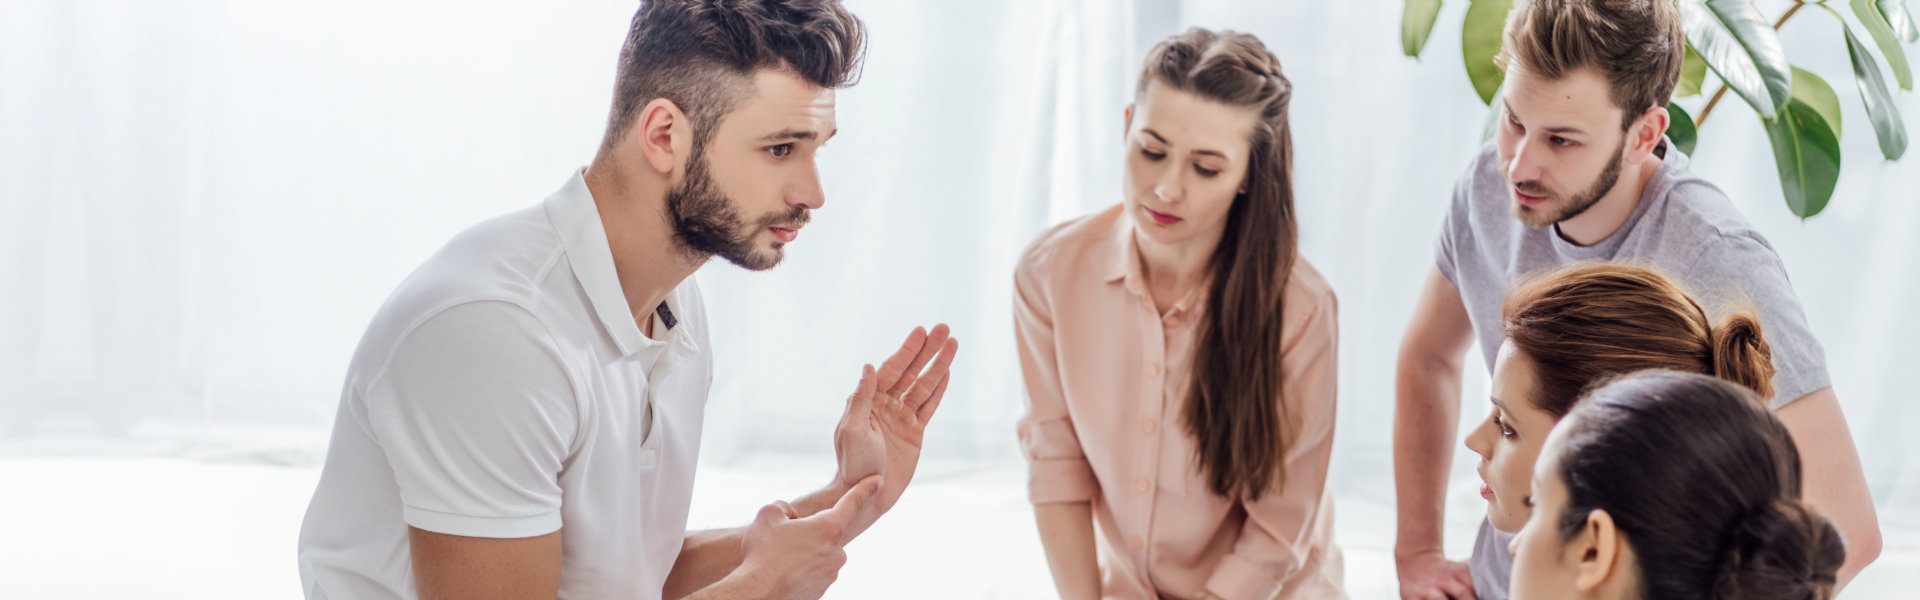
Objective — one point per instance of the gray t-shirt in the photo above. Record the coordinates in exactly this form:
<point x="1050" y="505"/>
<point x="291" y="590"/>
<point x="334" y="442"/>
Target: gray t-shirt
<point x="1683" y="226"/>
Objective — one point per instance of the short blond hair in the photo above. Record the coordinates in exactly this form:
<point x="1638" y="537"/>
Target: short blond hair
<point x="1636" y="45"/>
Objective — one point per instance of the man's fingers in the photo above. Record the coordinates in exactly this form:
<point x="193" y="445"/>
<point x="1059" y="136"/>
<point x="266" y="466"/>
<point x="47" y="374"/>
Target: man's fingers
<point x="920" y="394"/>
<point x="1457" y="590"/>
<point x="860" y="402"/>
<point x="896" y="366"/>
<point x="936" y="340"/>
<point x="851" y="504"/>
<point x="772" y="514"/>
<point x="933" y="403"/>
<point x="791" y="512"/>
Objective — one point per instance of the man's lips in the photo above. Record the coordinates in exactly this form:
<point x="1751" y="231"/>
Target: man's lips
<point x="785" y="234"/>
<point x="1528" y="199"/>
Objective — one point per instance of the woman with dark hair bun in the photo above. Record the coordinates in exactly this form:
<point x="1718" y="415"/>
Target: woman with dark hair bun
<point x="1666" y="485"/>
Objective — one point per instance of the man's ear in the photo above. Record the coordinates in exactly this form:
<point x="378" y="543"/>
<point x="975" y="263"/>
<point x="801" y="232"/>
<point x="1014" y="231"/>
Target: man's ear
<point x="1645" y="134"/>
<point x="1597" y="552"/>
<point x="662" y="135"/>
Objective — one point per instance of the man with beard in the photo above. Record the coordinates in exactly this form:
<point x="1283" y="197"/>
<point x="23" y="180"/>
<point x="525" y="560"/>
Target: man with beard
<point x="522" y="417"/>
<point x="1580" y="169"/>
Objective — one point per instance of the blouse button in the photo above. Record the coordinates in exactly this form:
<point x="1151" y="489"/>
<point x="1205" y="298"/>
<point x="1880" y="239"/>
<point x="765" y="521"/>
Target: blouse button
<point x="1139" y="542"/>
<point x="1143" y="485"/>
<point x="1153" y="370"/>
<point x="1147" y="426"/>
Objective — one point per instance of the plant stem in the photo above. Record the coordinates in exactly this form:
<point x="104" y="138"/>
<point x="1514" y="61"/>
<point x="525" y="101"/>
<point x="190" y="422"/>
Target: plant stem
<point x="1697" y="123"/>
<point x="1709" y="109"/>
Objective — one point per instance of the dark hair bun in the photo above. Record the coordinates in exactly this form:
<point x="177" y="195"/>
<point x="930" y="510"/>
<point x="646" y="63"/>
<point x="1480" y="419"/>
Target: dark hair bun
<point x="1780" y="551"/>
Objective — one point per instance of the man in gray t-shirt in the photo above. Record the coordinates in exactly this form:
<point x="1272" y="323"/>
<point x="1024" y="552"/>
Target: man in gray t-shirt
<point x="1682" y="225"/>
<point x="1580" y="169"/>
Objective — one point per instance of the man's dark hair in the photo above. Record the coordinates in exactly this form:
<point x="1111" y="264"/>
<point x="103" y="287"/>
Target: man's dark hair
<point x="701" y="54"/>
<point x="1636" y="45"/>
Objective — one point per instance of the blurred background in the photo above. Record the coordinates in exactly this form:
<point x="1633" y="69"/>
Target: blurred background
<point x="202" y="203"/>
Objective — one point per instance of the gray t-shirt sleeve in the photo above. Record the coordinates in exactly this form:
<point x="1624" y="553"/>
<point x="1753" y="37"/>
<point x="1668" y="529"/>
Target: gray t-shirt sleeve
<point x="1446" y="254"/>
<point x="1738" y="270"/>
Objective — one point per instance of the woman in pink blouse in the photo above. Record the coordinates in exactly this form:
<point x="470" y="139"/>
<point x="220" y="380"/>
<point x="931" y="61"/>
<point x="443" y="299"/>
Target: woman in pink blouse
<point x="1179" y="354"/>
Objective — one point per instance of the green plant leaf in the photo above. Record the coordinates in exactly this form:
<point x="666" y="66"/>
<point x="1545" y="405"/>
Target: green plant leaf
<point x="1902" y="21"/>
<point x="1883" y="36"/>
<point x="1680" y="129"/>
<point x="1887" y="126"/>
<point x="1740" y="46"/>
<point x="1811" y="89"/>
<point x="1480" y="38"/>
<point x="1692" y="72"/>
<point x="1808" y="155"/>
<point x="1416" y="23"/>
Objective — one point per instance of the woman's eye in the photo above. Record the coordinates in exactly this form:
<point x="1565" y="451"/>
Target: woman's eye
<point x="1205" y="172"/>
<point x="1151" y="155"/>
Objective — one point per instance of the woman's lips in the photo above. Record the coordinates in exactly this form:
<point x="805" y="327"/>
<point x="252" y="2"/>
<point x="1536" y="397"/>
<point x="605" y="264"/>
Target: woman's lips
<point x="1162" y="218"/>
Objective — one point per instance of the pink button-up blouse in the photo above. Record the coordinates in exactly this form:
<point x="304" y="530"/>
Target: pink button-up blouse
<point x="1107" y="379"/>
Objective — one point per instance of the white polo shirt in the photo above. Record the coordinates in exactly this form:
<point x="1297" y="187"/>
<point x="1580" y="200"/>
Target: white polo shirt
<point x="505" y="391"/>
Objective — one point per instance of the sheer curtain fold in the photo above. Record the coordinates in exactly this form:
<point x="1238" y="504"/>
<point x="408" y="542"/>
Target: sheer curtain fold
<point x="203" y="202"/>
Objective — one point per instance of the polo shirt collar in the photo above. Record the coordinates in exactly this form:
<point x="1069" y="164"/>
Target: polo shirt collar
<point x="576" y="219"/>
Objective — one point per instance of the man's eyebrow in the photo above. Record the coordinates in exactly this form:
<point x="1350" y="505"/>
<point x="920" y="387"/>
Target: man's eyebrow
<point x="1566" y="129"/>
<point x="795" y="135"/>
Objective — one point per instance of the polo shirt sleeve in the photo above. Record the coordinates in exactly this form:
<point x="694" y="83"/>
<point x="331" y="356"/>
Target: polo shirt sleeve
<point x="476" y="415"/>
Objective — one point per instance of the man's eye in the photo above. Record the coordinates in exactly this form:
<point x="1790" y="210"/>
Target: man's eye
<point x="780" y="151"/>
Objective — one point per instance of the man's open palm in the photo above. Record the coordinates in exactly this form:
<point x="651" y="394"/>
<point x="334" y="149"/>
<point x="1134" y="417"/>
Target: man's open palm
<point x="886" y="418"/>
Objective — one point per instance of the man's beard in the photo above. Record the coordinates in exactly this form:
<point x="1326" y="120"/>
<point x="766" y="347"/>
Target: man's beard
<point x="1575" y="205"/>
<point x="706" y="223"/>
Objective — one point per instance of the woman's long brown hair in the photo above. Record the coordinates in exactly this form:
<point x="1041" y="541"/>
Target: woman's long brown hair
<point x="1234" y="408"/>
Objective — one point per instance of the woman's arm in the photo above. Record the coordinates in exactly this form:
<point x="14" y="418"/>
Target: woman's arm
<point x="1061" y="484"/>
<point x="1066" y="532"/>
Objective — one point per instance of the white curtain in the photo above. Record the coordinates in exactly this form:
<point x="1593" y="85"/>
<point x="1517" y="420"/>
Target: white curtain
<point x="202" y="202"/>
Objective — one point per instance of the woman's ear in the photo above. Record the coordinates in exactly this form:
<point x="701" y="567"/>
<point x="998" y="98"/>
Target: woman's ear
<point x="1598" y="552"/>
<point x="1126" y="120"/>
